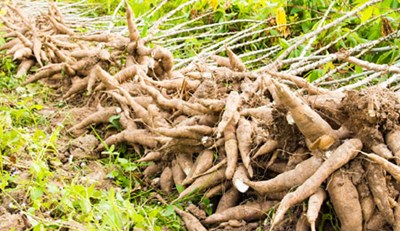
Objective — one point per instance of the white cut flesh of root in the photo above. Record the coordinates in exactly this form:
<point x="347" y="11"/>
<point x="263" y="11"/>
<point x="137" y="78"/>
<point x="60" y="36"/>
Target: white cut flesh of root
<point x="240" y="186"/>
<point x="289" y="118"/>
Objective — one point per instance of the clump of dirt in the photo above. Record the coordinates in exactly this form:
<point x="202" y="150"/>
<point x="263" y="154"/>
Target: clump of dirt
<point x="83" y="147"/>
<point x="288" y="135"/>
<point x="13" y="196"/>
<point x="207" y="89"/>
<point x="370" y="112"/>
<point x="96" y="174"/>
<point x="10" y="221"/>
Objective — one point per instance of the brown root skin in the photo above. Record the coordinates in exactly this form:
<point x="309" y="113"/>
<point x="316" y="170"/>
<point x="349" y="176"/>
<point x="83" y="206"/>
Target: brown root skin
<point x="396" y="225"/>
<point x="299" y="82"/>
<point x="68" y="71"/>
<point x="56" y="12"/>
<point x="91" y="81"/>
<point x="382" y="150"/>
<point x="376" y="222"/>
<point x="14" y="49"/>
<point x="80" y="54"/>
<point x="228" y="200"/>
<point x="101" y="38"/>
<point x="342" y="155"/>
<point x="152" y="170"/>
<point x="204" y="120"/>
<point x="377" y="185"/>
<point x="392" y="139"/>
<point x="130" y="61"/>
<point x="278" y="167"/>
<point x="177" y="84"/>
<point x="140" y="136"/>
<point x="248" y="212"/>
<point x="24" y="67"/>
<point x="307" y="120"/>
<point x="166" y="180"/>
<point x="391" y="168"/>
<point x="231" y="146"/>
<point x="185" y="161"/>
<point x="196" y="211"/>
<point x="85" y="64"/>
<point x="263" y="113"/>
<point x="60" y="55"/>
<point x="288" y="179"/>
<point x="45" y="72"/>
<point x="27" y="43"/>
<point x="78" y="85"/>
<point x="22" y="53"/>
<point x="191" y="222"/>
<point x="215" y="167"/>
<point x="143" y="101"/>
<point x="366" y="201"/>
<point x="231" y="109"/>
<point x="104" y="55"/>
<point x="44" y="56"/>
<point x="213" y="104"/>
<point x="300" y="155"/>
<point x="112" y="84"/>
<point x="10" y="44"/>
<point x="347" y="207"/>
<point x="165" y="59"/>
<point x="244" y="133"/>
<point x="194" y="132"/>
<point x="9" y="24"/>
<point x="37" y="48"/>
<point x="50" y="54"/>
<point x="235" y="63"/>
<point x="127" y="73"/>
<point x="204" y="182"/>
<point x="23" y="18"/>
<point x="217" y="190"/>
<point x="343" y="133"/>
<point x="326" y="102"/>
<point x="182" y="145"/>
<point x="267" y="147"/>
<point x="100" y="116"/>
<point x="133" y="31"/>
<point x="61" y="28"/>
<point x="302" y="224"/>
<point x="203" y="162"/>
<point x="151" y="156"/>
<point x="314" y="206"/>
<point x="65" y="44"/>
<point x="221" y="61"/>
<point x="273" y="158"/>
<point x="178" y="104"/>
<point x="141" y="49"/>
<point x="177" y="173"/>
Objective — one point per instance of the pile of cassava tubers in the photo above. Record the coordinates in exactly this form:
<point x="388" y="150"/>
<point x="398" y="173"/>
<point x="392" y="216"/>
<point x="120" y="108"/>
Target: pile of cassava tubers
<point x="247" y="140"/>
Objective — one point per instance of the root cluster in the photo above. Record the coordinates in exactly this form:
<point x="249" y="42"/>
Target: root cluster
<point x="243" y="139"/>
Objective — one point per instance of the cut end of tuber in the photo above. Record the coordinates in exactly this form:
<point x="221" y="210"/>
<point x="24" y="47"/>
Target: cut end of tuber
<point x="241" y="186"/>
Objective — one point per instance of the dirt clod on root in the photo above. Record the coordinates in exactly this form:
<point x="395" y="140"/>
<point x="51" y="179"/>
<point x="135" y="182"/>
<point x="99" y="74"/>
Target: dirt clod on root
<point x="370" y="112"/>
